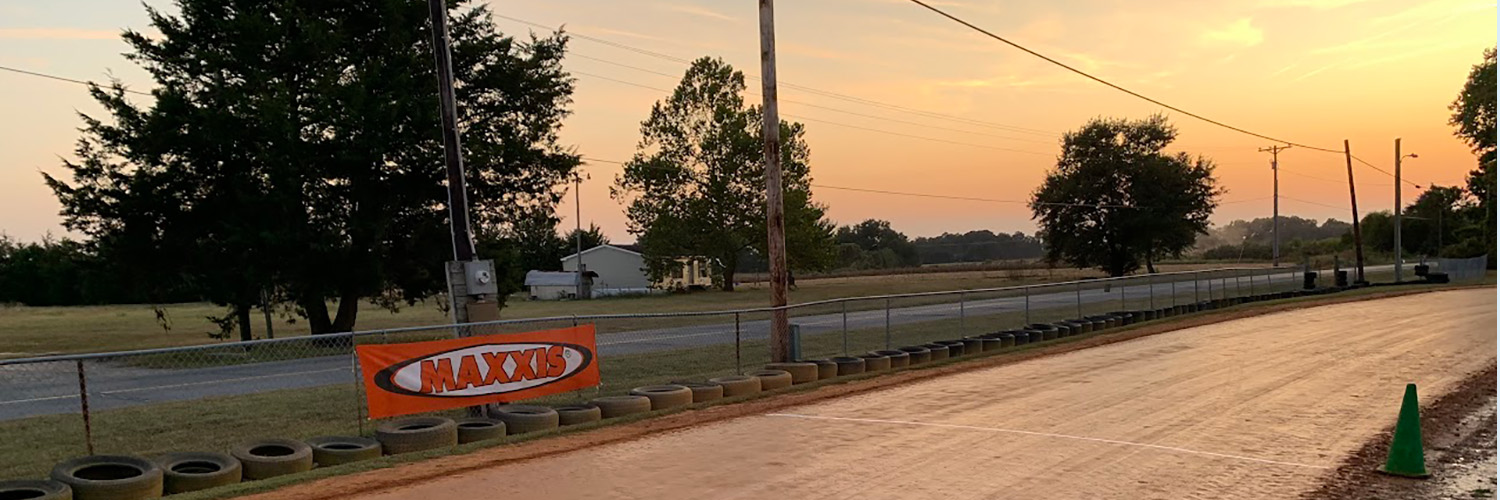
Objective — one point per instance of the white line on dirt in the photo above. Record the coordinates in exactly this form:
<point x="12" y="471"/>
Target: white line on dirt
<point x="1048" y="434"/>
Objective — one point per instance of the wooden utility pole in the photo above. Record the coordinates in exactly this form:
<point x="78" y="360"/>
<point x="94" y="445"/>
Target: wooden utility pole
<point x="781" y="338"/>
<point x="1275" y="203"/>
<point x="1359" y="246"/>
<point x="1397" y="218"/>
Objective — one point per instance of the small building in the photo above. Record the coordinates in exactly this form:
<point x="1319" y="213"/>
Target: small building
<point x="621" y="270"/>
<point x="556" y="285"/>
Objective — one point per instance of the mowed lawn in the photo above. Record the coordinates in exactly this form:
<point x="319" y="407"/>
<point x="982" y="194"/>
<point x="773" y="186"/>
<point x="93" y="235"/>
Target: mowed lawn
<point x="37" y="331"/>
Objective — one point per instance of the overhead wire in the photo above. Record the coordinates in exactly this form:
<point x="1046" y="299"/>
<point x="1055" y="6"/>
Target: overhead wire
<point x="830" y="122"/>
<point x="1133" y="93"/>
<point x="817" y="106"/>
<point x="803" y="88"/>
<point x="59" y="78"/>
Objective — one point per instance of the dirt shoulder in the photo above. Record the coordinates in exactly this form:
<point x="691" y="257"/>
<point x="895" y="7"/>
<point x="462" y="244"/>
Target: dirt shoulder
<point x="393" y="474"/>
<point x="1459" y="434"/>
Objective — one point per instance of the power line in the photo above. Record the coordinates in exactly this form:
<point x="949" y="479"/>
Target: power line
<point x="1131" y="92"/>
<point x="1106" y="82"/>
<point x="1325" y="205"/>
<point x="803" y="88"/>
<point x="62" y="79"/>
<point x="829" y="122"/>
<point x="817" y="106"/>
<point x="903" y="193"/>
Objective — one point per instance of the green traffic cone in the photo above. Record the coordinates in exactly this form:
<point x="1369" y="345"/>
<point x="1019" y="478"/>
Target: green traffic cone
<point x="1406" y="457"/>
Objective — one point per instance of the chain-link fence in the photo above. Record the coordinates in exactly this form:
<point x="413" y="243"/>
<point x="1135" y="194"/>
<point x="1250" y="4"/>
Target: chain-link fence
<point x="215" y="396"/>
<point x="1463" y="269"/>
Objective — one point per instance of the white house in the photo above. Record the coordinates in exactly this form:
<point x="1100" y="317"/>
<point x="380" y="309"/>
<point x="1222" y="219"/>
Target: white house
<point x="621" y="269"/>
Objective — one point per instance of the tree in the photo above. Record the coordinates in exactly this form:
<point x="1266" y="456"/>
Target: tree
<point x="696" y="184"/>
<point x="1474" y="114"/>
<point x="592" y="237"/>
<point x="1377" y="230"/>
<point x="876" y="236"/>
<point x="1434" y="217"/>
<point x="1116" y="200"/>
<point x="295" y="147"/>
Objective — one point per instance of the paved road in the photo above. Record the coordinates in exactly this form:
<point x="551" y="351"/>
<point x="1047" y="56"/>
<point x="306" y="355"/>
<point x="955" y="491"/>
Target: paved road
<point x="52" y="388"/>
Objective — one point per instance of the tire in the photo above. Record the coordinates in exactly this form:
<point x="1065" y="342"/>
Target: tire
<point x="916" y="354"/>
<point x="972" y="345"/>
<point x="899" y="359"/>
<point x="826" y="369"/>
<point x="271" y="457"/>
<point x="703" y="391"/>
<point x="471" y="429"/>
<point x="802" y="372"/>
<point x="1079" y="327"/>
<point x="1008" y="339"/>
<point x="577" y="414"/>
<point x="939" y="351"/>
<point x="737" y="385"/>
<point x="619" y="406"/>
<point x="521" y="419"/>
<point x="406" y="435"/>
<point x="329" y="451"/>
<point x="849" y="365"/>
<point x="110" y="477"/>
<point x="665" y="397"/>
<point x="771" y="380"/>
<point x="991" y="344"/>
<point x="193" y="471"/>
<point x="1048" y="332"/>
<point x="876" y="362"/>
<point x="955" y="347"/>
<point x="45" y="489"/>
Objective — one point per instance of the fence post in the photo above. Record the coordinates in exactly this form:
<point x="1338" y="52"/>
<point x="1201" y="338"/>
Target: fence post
<point x="738" y="363"/>
<point x="887" y="323"/>
<point x="1196" y="299"/>
<point x="83" y="398"/>
<point x="1151" y="291"/>
<point x="845" y="304"/>
<point x="1027" y="289"/>
<point x="359" y="386"/>
<point x="1122" y="294"/>
<point x="1173" y="284"/>
<point x="1078" y="296"/>
<point x="1210" y="288"/>
<point x="961" y="296"/>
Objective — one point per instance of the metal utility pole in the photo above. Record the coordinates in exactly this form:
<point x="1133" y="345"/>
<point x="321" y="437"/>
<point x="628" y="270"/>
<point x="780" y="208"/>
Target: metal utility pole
<point x="781" y="339"/>
<point x="1359" y="246"/>
<point x="1275" y="203"/>
<point x="1397" y="221"/>
<point x="578" y="237"/>
<point x="468" y="279"/>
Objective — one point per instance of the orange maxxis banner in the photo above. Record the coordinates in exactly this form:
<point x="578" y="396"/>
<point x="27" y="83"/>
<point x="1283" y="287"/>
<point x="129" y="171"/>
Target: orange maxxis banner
<point x="417" y="377"/>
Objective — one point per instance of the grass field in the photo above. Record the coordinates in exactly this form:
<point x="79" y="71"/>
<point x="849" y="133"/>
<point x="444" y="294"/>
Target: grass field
<point x="36" y="331"/>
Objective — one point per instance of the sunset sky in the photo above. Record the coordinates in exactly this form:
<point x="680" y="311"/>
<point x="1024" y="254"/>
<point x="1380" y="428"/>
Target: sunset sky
<point x="1309" y="71"/>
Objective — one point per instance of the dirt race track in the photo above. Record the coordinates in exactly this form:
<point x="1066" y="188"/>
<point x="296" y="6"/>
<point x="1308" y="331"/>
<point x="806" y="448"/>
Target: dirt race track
<point x="1253" y="408"/>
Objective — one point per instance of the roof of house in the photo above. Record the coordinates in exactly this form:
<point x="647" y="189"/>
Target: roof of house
<point x="555" y="278"/>
<point x="630" y="249"/>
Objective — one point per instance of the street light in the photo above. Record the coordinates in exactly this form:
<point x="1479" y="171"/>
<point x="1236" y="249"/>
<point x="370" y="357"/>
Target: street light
<point x="1397" y="210"/>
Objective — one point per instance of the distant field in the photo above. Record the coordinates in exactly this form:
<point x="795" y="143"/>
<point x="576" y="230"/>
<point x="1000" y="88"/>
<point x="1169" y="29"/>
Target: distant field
<point x="35" y="331"/>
